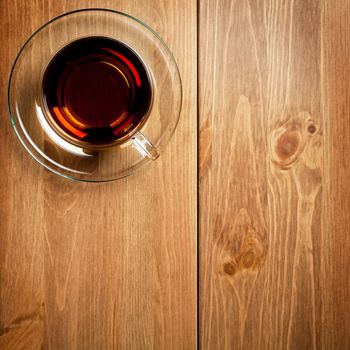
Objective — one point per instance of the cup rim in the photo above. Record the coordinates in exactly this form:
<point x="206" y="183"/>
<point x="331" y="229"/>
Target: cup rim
<point x="119" y="141"/>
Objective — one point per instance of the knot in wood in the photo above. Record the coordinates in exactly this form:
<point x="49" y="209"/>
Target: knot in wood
<point x="229" y="268"/>
<point x="248" y="259"/>
<point x="287" y="145"/>
<point x="311" y="127"/>
<point x="252" y="252"/>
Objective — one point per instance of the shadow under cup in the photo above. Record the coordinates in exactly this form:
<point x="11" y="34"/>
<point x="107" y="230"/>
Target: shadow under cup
<point x="94" y="95"/>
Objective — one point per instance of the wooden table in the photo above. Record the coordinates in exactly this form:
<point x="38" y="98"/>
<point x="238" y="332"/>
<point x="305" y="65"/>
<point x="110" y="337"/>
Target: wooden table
<point x="237" y="237"/>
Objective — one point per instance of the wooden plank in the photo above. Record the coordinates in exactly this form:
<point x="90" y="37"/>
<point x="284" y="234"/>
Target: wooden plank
<point x="86" y="266"/>
<point x="335" y="329"/>
<point x="274" y="177"/>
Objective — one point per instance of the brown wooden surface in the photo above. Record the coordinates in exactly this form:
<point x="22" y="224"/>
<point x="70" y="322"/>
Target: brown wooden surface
<point x="114" y="265"/>
<point x="105" y="266"/>
<point x="274" y="174"/>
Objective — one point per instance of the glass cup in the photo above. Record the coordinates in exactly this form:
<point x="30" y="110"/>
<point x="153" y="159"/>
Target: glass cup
<point x="87" y="162"/>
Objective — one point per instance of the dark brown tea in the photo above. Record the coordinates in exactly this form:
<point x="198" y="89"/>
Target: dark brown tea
<point x="96" y="90"/>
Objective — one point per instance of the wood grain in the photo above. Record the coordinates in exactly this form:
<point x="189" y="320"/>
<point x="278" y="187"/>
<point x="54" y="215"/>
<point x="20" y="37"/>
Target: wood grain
<point x="274" y="174"/>
<point x="113" y="265"/>
<point x="105" y="266"/>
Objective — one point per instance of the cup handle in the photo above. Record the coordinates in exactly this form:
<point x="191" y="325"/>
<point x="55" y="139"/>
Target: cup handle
<point x="145" y="147"/>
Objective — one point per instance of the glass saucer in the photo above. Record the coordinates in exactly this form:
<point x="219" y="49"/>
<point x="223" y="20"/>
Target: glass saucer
<point x="27" y="110"/>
